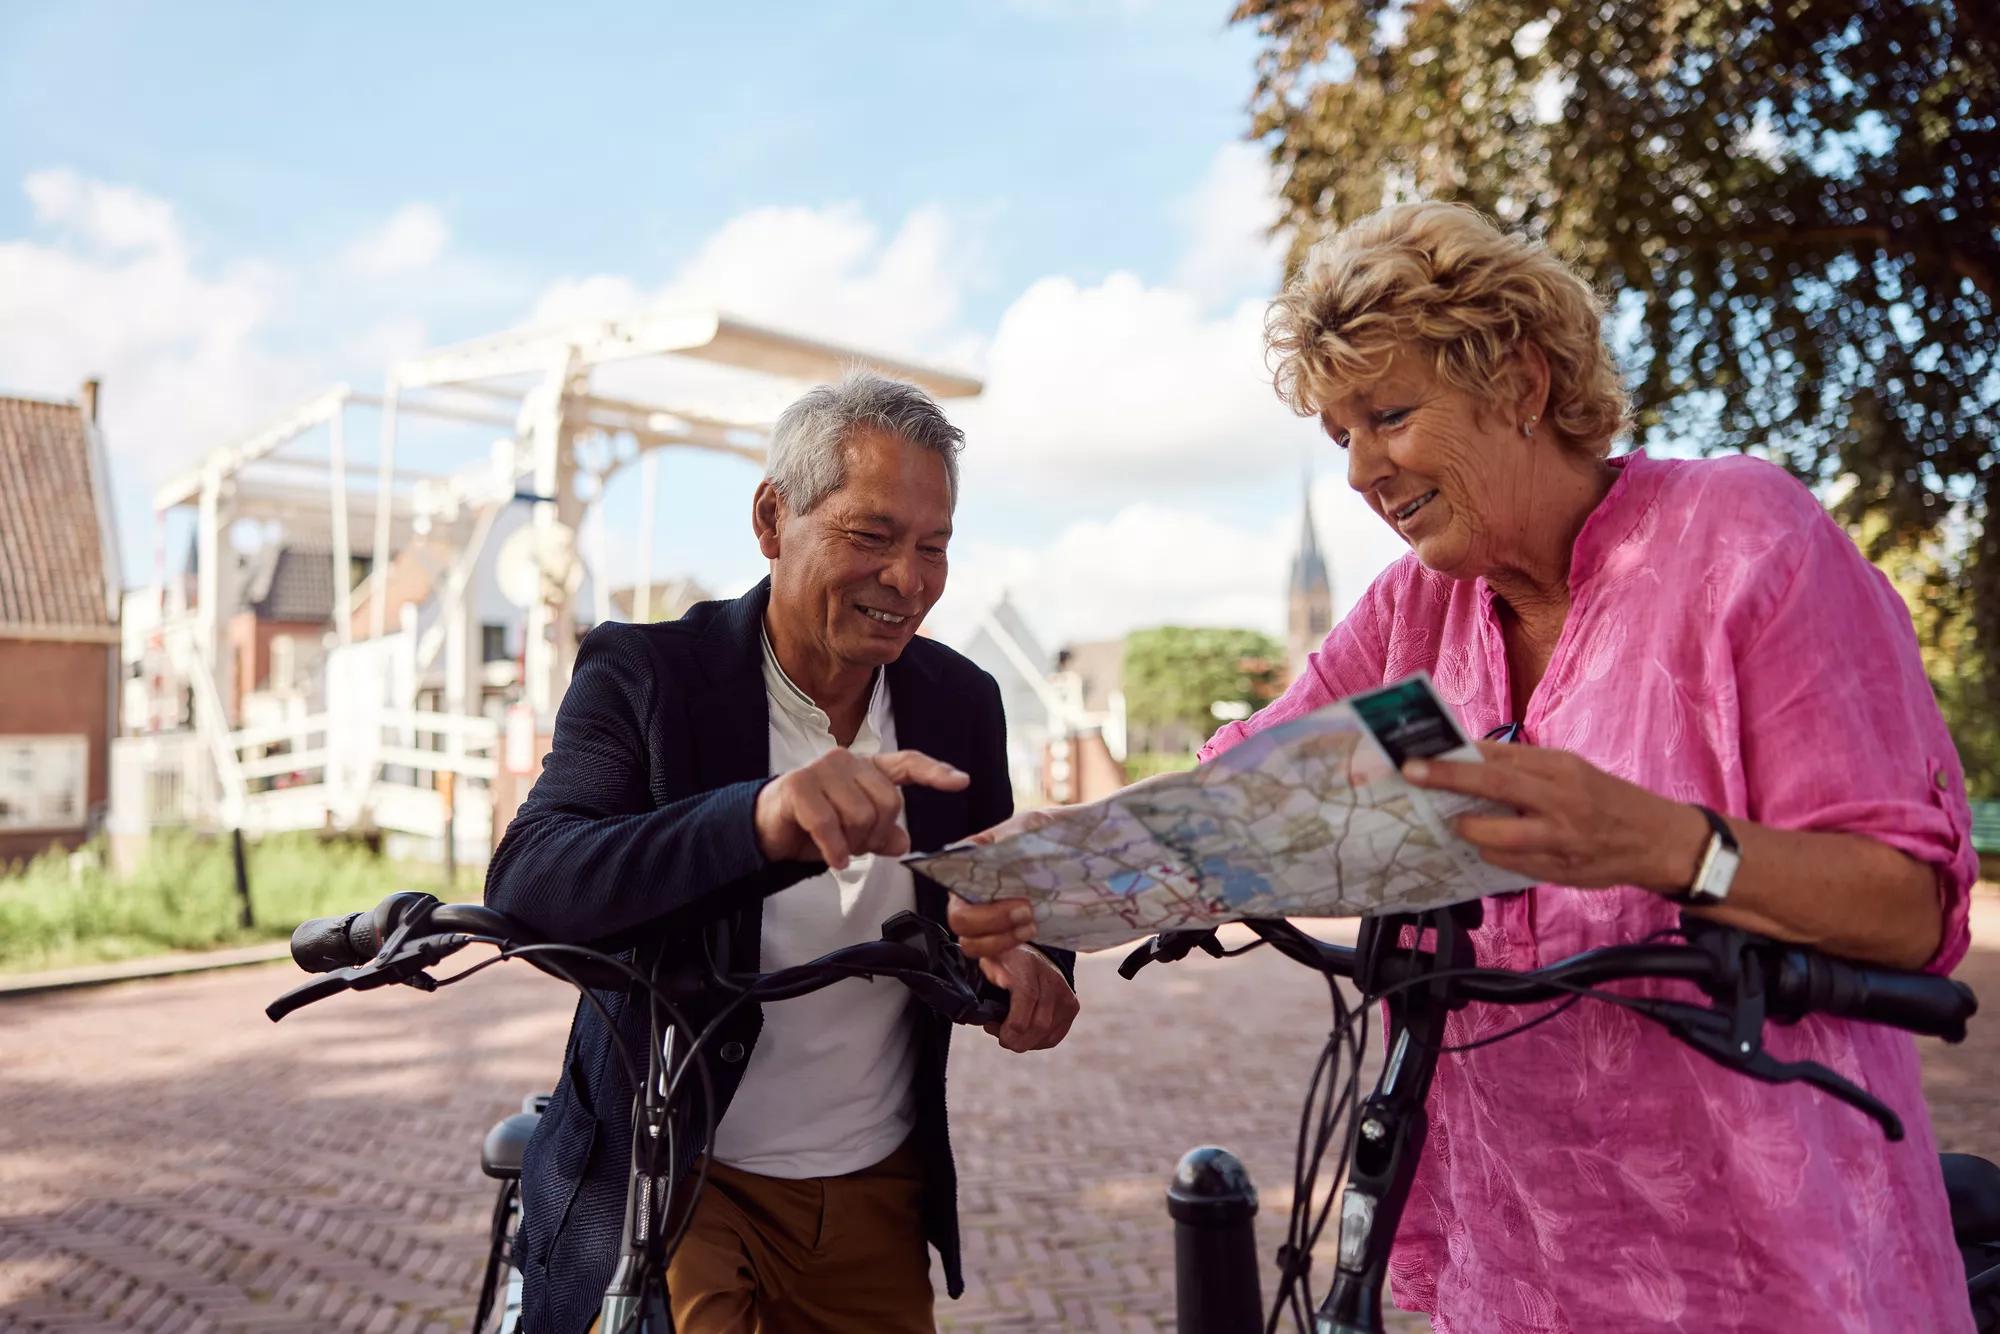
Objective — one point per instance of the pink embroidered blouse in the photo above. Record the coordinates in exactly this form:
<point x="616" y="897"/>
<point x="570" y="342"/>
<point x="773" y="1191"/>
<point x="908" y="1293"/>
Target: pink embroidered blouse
<point x="1728" y="645"/>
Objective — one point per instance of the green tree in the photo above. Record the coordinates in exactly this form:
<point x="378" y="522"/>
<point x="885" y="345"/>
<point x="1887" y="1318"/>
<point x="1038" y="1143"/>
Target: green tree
<point x="1929" y="576"/>
<point x="1174" y="675"/>
<point x="1797" y="211"/>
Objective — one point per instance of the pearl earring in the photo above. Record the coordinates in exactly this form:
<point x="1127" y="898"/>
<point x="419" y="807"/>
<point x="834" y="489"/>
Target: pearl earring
<point x="1528" y="426"/>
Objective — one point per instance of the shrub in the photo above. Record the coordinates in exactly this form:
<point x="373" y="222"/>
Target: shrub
<point x="60" y="910"/>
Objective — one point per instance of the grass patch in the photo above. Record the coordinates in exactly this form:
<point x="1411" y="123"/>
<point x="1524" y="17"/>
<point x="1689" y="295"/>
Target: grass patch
<point x="55" y="913"/>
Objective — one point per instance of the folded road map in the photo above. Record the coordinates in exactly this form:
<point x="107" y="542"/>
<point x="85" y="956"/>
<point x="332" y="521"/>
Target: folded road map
<point x="1305" y="819"/>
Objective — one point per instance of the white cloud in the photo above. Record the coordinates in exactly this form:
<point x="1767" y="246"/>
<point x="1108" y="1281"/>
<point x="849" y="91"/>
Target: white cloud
<point x="411" y="238"/>
<point x="1123" y="385"/>
<point x="116" y="293"/>
<point x="107" y="217"/>
<point x="830" y="272"/>
<point x="827" y="272"/>
<point x="1116" y="409"/>
<point x="1153" y="564"/>
<point x="1126" y="385"/>
<point x="600" y="294"/>
<point x="1230" y="251"/>
<point x="388" y="341"/>
<point x="193" y="350"/>
<point x="1146" y="564"/>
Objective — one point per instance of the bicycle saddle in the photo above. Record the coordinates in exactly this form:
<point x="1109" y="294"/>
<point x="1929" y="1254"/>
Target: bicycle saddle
<point x="500" y="1156"/>
<point x="1972" y="1184"/>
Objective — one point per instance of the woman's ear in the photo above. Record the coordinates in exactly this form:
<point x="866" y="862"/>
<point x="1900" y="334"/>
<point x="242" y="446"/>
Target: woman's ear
<point x="1533" y="404"/>
<point x="767" y="515"/>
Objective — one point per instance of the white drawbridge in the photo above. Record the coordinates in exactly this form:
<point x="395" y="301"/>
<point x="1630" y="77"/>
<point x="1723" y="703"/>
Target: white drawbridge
<point x="404" y="722"/>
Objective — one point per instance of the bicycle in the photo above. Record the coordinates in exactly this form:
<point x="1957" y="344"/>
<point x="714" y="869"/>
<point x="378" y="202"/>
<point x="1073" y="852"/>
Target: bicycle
<point x="408" y="933"/>
<point x="1749" y="981"/>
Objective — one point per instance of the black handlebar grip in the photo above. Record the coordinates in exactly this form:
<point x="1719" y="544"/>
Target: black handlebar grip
<point x="326" y="943"/>
<point x="1919" y="1002"/>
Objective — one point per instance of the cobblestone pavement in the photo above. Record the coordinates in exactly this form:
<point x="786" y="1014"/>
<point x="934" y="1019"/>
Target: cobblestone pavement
<point x="170" y="1161"/>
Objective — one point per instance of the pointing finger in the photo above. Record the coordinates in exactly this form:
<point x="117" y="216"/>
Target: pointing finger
<point x="913" y="766"/>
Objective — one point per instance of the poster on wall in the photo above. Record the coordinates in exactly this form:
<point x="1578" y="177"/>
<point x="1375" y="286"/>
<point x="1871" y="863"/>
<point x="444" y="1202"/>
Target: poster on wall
<point x="43" y="782"/>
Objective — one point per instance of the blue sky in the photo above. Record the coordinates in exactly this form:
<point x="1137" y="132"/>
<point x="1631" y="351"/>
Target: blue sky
<point x="221" y="208"/>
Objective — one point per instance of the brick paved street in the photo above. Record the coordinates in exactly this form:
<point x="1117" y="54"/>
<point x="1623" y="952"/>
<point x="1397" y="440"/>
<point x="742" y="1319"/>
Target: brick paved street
<point x="170" y="1161"/>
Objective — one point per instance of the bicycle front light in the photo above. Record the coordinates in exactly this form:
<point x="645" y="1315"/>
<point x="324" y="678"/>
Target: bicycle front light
<point x="1357" y="1221"/>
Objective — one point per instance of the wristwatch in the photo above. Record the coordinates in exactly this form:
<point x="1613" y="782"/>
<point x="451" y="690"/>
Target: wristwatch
<point x="1717" y="867"/>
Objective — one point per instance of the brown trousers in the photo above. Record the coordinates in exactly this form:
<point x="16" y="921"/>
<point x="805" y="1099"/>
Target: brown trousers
<point x="821" y="1255"/>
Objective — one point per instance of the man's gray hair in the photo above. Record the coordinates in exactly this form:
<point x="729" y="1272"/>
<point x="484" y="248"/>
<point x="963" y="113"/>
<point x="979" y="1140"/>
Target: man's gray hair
<point x="808" y="456"/>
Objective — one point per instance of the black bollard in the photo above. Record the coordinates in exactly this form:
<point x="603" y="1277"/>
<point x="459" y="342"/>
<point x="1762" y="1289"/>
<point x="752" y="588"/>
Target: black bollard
<point x="1216" y="1290"/>
<point x="244" y="917"/>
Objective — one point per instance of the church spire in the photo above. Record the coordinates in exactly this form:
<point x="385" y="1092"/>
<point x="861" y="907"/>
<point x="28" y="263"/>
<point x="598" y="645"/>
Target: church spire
<point x="1309" y="593"/>
<point x="1308" y="567"/>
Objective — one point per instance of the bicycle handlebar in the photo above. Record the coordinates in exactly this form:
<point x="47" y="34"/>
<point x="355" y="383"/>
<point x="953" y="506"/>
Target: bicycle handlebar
<point x="363" y="950"/>
<point x="1797" y="981"/>
<point x="327" y="943"/>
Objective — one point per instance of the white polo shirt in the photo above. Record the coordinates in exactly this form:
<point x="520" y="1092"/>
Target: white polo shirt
<point x="828" y="1087"/>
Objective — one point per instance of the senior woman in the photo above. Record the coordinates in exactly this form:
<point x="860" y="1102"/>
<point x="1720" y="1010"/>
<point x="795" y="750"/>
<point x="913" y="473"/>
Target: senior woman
<point x="1665" y="636"/>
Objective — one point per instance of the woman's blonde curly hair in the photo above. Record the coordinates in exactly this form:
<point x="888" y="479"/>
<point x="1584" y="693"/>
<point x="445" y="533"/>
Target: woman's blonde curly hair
<point x="1445" y="281"/>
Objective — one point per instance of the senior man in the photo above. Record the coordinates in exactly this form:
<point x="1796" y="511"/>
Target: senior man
<point x="763" y="762"/>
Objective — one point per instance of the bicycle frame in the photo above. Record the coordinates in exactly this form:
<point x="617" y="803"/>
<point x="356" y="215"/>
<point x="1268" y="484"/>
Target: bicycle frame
<point x="1390" y="1124"/>
<point x="410" y="932"/>
<point x="1750" y="983"/>
<point x="631" y="1302"/>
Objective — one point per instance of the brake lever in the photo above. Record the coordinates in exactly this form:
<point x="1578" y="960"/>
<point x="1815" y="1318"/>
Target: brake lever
<point x="919" y="933"/>
<point x="407" y="963"/>
<point x="305" y="993"/>
<point x="1711" y="1033"/>
<point x="404" y="964"/>
<point x="1170" y="947"/>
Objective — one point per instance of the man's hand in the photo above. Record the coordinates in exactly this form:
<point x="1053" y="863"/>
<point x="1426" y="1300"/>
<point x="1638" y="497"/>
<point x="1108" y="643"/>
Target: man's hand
<point x="843" y="805"/>
<point x="986" y="931"/>
<point x="1041" y="1006"/>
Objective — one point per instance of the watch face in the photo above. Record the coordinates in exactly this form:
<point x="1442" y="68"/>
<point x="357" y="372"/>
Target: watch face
<point x="1717" y="871"/>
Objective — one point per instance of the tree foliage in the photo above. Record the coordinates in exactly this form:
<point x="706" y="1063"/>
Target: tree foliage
<point x="1173" y="675"/>
<point x="1928" y="575"/>
<point x="1795" y="209"/>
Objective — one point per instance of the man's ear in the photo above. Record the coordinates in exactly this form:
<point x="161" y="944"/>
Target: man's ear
<point x="767" y="515"/>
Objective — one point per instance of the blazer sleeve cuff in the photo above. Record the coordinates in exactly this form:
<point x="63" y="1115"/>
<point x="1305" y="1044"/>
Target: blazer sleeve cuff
<point x="740" y="863"/>
<point x="1064" y="960"/>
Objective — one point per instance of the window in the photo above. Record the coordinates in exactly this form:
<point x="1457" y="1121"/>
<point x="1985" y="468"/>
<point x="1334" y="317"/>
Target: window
<point x="493" y="643"/>
<point x="42" y="782"/>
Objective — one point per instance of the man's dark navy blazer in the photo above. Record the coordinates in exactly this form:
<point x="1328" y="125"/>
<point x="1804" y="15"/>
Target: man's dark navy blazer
<point x="639" y="833"/>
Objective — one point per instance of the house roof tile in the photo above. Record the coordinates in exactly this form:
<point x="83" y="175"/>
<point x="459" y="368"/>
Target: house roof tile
<point x="52" y="574"/>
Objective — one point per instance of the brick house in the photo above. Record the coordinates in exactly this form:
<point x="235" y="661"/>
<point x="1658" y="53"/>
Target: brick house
<point x="59" y="576"/>
<point x="284" y="608"/>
